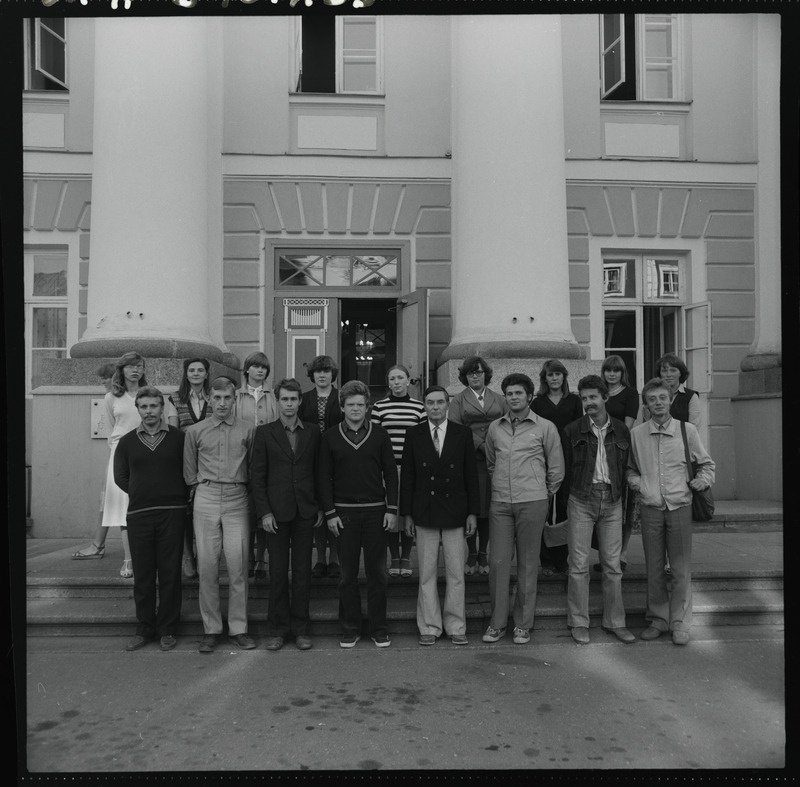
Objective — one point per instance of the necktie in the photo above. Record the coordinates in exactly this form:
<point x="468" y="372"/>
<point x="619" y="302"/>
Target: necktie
<point x="436" y="443"/>
<point x="480" y="399"/>
<point x="514" y="422"/>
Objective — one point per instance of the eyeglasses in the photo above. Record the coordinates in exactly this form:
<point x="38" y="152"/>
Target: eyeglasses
<point x="475" y="374"/>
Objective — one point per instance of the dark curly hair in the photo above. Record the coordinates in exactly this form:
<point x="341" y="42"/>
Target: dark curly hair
<point x="323" y="363"/>
<point x="474" y="363"/>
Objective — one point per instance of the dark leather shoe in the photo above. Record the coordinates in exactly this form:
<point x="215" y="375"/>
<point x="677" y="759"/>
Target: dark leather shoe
<point x="333" y="570"/>
<point x="622" y="634"/>
<point x="242" y="640"/>
<point x="302" y="642"/>
<point x="137" y="642"/>
<point x="651" y="632"/>
<point x="274" y="643"/>
<point x="581" y="635"/>
<point x="168" y="642"/>
<point x="209" y="643"/>
<point x="319" y="571"/>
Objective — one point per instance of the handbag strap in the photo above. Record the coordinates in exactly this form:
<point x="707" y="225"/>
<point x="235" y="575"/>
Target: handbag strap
<point x="686" y="450"/>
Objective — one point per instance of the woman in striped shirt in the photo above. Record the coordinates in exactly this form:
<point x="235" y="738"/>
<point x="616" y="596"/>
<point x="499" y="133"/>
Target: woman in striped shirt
<point x="396" y="413"/>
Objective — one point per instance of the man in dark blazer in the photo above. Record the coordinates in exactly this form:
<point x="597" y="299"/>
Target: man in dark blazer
<point x="282" y="479"/>
<point x="320" y="406"/>
<point x="440" y="499"/>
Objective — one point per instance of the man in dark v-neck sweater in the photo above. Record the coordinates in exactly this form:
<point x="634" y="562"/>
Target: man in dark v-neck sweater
<point x="358" y="491"/>
<point x="148" y="467"/>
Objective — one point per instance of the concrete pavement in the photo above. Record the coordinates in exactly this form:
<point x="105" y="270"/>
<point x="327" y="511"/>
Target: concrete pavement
<point x="717" y="703"/>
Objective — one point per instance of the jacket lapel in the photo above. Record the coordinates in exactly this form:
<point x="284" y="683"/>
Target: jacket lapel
<point x="281" y="439"/>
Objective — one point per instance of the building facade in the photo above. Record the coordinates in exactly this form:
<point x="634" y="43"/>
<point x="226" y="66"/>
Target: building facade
<point x="401" y="189"/>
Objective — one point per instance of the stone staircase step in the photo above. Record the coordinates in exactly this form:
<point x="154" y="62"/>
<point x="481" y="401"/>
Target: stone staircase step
<point x="114" y="616"/>
<point x="633" y="581"/>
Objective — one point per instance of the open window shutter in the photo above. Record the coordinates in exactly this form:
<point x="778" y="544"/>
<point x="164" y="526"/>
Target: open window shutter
<point x="51" y="49"/>
<point x="697" y="334"/>
<point x="612" y="53"/>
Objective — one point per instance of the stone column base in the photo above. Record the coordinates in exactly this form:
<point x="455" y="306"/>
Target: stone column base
<point x="761" y="373"/>
<point x="149" y="348"/>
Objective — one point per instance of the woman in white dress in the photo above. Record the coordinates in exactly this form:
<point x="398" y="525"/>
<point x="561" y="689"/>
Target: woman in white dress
<point x="121" y="417"/>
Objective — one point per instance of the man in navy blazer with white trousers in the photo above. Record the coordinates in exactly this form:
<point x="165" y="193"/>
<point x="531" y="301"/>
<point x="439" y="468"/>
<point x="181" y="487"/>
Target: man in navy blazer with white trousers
<point x="440" y="499"/>
<point x="282" y="479"/>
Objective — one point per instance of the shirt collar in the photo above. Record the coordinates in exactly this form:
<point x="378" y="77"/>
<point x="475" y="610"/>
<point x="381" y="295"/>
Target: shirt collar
<point x="215" y="421"/>
<point x="668" y="428"/>
<point x="442" y="426"/>
<point x="298" y="424"/>
<point x="531" y="416"/>
<point x="163" y="427"/>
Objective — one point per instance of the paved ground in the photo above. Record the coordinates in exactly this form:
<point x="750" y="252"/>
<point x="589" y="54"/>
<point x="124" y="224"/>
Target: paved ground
<point x="718" y="703"/>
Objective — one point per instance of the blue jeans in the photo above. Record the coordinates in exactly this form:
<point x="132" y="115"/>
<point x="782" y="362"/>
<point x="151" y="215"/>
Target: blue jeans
<point x="511" y="524"/>
<point x="670" y="532"/>
<point x="600" y="515"/>
<point x="362" y="530"/>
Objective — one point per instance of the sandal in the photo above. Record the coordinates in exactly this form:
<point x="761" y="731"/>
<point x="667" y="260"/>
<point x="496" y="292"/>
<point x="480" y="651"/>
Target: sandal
<point x="483" y="564"/>
<point x="97" y="552"/>
<point x="470" y="567"/>
<point x="126" y="572"/>
<point x="394" y="569"/>
<point x="260" y="571"/>
<point x="548" y="571"/>
<point x="405" y="567"/>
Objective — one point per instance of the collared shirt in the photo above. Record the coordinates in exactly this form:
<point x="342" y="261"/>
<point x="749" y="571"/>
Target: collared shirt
<point x="196" y="402"/>
<point x="479" y="396"/>
<point x="658" y="463"/>
<point x="256" y="393"/>
<point x="355" y="436"/>
<point x="291" y="432"/>
<point x="601" y="474"/>
<point x="152" y="439"/>
<point x="442" y="427"/>
<point x="525" y="464"/>
<point x="217" y="451"/>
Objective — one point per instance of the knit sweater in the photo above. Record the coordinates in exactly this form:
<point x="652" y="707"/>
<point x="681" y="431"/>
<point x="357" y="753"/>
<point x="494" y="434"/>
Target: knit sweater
<point x="357" y="477"/>
<point x="396" y="415"/>
<point x="152" y="476"/>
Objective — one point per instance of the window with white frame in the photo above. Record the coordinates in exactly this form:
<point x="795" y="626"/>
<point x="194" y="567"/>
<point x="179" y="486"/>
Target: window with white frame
<point x="45" y="44"/>
<point x="641" y="57"/>
<point x="644" y="297"/>
<point x="45" y="311"/>
<point x="338" y="54"/>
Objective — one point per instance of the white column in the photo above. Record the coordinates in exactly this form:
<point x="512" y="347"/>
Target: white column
<point x="155" y="222"/>
<point x="510" y="277"/>
<point x="766" y="349"/>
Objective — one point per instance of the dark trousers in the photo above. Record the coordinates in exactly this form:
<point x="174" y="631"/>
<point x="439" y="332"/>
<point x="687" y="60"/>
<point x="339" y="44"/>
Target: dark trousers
<point x="156" y="542"/>
<point x="363" y="530"/>
<point x="296" y="537"/>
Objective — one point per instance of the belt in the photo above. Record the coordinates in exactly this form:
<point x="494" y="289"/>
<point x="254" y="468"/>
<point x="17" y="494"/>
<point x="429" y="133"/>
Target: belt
<point x="225" y="483"/>
<point x="602" y="486"/>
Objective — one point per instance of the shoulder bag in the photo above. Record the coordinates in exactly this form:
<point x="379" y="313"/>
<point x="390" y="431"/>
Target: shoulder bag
<point x="702" y="502"/>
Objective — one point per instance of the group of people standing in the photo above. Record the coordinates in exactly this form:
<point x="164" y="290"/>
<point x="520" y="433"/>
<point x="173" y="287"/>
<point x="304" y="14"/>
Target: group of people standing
<point x="254" y="473"/>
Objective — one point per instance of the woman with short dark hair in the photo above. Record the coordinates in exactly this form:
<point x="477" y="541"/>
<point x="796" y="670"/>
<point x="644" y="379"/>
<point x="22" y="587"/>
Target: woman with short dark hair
<point x="476" y="406"/>
<point x="556" y="403"/>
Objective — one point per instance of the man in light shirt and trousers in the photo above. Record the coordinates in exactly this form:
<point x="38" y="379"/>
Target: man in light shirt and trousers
<point x="215" y="462"/>
<point x="526" y="464"/>
<point x="659" y="473"/>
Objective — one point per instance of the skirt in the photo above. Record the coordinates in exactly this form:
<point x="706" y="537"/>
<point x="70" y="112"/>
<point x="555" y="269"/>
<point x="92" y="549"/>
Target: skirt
<point x="115" y="503"/>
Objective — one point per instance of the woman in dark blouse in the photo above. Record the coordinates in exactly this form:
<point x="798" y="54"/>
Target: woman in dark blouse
<point x="554" y="402"/>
